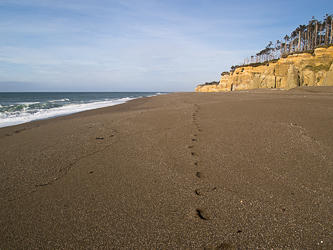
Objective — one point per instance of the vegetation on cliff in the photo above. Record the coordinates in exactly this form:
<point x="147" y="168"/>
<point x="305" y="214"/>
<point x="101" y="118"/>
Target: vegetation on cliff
<point x="317" y="68"/>
<point x="304" y="38"/>
<point x="302" y="69"/>
<point x="211" y="83"/>
<point x="303" y="59"/>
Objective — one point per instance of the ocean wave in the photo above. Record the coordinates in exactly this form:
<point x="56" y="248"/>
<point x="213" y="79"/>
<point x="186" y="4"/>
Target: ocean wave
<point x="28" y="103"/>
<point x="21" y="113"/>
<point x="61" y="100"/>
<point x="17" y="108"/>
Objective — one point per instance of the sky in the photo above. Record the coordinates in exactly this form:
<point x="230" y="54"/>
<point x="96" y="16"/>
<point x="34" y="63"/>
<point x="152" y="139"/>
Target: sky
<point x="137" y="45"/>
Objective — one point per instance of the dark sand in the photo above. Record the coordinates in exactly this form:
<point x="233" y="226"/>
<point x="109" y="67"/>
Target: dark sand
<point x="239" y="170"/>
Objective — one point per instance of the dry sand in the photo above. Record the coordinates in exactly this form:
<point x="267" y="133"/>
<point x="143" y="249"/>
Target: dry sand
<point x="239" y="170"/>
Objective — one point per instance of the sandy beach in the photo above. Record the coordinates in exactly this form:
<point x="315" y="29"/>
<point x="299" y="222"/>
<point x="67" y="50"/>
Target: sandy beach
<point x="238" y="170"/>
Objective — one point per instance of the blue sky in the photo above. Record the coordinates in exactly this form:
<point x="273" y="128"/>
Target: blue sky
<point x="142" y="45"/>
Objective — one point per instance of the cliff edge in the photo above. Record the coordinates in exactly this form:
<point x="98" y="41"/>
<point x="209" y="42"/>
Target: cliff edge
<point x="298" y="69"/>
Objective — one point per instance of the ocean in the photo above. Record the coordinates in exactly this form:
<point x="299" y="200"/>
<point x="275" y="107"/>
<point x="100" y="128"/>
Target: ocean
<point x="22" y="107"/>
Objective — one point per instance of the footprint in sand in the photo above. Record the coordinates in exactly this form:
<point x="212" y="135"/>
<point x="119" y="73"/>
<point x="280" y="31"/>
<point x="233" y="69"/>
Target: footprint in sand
<point x="203" y="214"/>
<point x="204" y="191"/>
<point x="221" y="247"/>
<point x="199" y="192"/>
<point x="199" y="175"/>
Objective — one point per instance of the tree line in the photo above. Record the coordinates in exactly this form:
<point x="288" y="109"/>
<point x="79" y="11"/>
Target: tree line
<point x="303" y="38"/>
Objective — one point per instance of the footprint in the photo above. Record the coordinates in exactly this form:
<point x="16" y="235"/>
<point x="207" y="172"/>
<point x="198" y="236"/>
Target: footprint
<point x="199" y="192"/>
<point x="199" y="174"/>
<point x="221" y="247"/>
<point x="204" y="191"/>
<point x="203" y="214"/>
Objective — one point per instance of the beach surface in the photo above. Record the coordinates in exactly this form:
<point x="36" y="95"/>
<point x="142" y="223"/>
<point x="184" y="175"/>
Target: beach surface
<point x="237" y="170"/>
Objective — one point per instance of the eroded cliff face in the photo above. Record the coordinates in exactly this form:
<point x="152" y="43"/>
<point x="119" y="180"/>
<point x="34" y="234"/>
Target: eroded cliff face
<point x="296" y="70"/>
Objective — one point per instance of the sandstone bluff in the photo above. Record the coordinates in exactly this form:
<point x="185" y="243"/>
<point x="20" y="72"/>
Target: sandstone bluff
<point x="299" y="69"/>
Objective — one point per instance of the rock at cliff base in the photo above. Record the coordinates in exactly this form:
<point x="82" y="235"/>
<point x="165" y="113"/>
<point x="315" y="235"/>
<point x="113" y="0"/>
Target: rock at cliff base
<point x="308" y="78"/>
<point x="328" y="80"/>
<point x="268" y="82"/>
<point x="292" y="78"/>
<point x="255" y="82"/>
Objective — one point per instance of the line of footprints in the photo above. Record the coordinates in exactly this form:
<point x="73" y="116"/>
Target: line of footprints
<point x="201" y="213"/>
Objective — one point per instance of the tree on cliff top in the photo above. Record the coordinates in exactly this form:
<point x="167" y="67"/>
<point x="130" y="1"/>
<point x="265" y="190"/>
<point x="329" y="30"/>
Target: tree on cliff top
<point x="303" y="38"/>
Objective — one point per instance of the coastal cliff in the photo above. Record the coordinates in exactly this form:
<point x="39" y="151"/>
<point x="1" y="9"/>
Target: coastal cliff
<point x="298" y="69"/>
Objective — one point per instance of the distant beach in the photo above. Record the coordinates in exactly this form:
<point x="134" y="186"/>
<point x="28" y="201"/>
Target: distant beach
<point x="237" y="170"/>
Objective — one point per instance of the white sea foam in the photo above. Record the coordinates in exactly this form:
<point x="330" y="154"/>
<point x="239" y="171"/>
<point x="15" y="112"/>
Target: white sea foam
<point x="27" y="103"/>
<point x="23" y="116"/>
<point x="157" y="94"/>
<point x="61" y="100"/>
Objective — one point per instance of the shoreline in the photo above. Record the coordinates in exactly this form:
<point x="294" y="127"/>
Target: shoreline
<point x="233" y="170"/>
<point x="37" y="121"/>
<point x="72" y="106"/>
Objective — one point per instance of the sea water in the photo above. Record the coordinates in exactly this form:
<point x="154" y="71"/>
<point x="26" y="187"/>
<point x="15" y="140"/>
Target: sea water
<point x="19" y="107"/>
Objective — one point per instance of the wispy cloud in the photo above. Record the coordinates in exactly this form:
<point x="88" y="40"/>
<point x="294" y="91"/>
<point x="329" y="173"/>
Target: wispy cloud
<point x="134" y="45"/>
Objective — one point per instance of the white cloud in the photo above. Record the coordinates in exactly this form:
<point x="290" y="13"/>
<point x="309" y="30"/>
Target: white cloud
<point x="127" y="44"/>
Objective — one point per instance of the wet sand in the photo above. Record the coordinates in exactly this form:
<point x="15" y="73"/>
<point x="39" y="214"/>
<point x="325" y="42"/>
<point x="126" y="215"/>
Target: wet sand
<point x="239" y="170"/>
